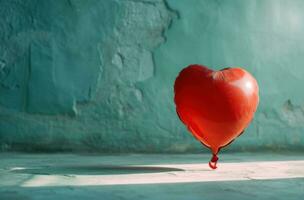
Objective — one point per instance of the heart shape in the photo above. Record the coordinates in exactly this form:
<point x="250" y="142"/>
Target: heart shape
<point x="216" y="106"/>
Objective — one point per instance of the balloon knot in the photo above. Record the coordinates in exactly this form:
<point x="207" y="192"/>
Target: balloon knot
<point x="213" y="162"/>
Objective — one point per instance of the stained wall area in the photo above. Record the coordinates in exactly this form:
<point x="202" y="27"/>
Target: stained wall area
<point x="98" y="75"/>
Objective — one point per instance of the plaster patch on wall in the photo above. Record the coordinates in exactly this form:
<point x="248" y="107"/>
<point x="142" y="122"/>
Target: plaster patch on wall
<point x="118" y="60"/>
<point x="293" y="114"/>
<point x="70" y="60"/>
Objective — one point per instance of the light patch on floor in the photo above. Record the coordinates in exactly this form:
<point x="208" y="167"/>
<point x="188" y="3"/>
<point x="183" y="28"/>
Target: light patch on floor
<point x="247" y="176"/>
<point x="261" y="170"/>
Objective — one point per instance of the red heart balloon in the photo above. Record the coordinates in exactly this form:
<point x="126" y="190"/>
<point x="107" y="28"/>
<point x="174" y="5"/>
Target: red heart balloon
<point x="216" y="106"/>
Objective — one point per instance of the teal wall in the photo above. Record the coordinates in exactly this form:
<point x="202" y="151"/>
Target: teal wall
<point x="91" y="75"/>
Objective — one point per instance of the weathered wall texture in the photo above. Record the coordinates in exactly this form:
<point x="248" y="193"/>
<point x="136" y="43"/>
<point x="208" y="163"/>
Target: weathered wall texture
<point x="98" y="75"/>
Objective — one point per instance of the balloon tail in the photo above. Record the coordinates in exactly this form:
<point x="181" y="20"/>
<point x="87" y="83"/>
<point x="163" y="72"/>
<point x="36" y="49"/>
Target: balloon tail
<point x="213" y="162"/>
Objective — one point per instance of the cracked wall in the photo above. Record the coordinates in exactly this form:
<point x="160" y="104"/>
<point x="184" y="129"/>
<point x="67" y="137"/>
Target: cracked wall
<point x="98" y="75"/>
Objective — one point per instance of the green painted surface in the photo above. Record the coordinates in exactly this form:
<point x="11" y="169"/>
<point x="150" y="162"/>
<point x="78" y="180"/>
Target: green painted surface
<point x="98" y="75"/>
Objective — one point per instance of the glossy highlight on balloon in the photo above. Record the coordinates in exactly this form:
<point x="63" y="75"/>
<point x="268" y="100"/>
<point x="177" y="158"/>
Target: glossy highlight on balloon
<point x="215" y="106"/>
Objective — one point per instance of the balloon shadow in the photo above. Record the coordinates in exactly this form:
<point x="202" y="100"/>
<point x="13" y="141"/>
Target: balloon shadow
<point x="94" y="170"/>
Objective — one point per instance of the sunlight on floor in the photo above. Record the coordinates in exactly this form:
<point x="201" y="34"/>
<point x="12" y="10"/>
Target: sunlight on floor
<point x="185" y="173"/>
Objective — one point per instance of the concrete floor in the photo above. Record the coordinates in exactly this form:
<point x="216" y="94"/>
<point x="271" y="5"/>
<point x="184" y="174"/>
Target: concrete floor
<point x="67" y="176"/>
